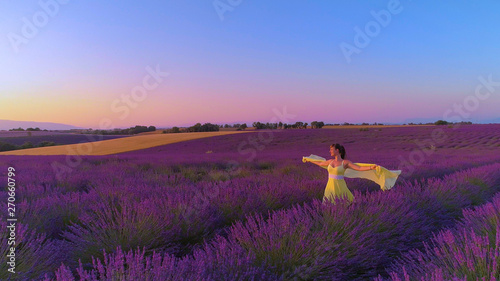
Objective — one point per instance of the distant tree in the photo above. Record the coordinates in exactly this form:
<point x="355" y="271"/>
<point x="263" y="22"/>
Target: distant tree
<point x="194" y="128"/>
<point x="441" y="122"/>
<point x="209" y="127"/>
<point x="7" y="146"/>
<point x="46" y="143"/>
<point x="27" y="144"/>
<point x="151" y="128"/>
<point x="133" y="130"/>
<point x="272" y="126"/>
<point x="243" y="126"/>
<point x="173" y="130"/>
<point x="18" y="129"/>
<point x="317" y="125"/>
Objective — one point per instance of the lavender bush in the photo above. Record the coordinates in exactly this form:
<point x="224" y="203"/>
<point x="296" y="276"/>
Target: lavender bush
<point x="35" y="254"/>
<point x="470" y="251"/>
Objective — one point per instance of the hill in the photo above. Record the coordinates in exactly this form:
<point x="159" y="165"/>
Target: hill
<point x="10" y="124"/>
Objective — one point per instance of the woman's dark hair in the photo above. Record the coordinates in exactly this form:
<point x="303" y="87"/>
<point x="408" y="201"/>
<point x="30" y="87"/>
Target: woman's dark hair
<point x="340" y="148"/>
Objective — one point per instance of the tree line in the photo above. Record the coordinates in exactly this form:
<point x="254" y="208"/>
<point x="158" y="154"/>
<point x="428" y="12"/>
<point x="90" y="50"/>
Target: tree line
<point x="4" y="146"/>
<point x="284" y="126"/>
<point x="442" y="122"/>
<point x="209" y="127"/>
<point x="198" y="127"/>
<point x="129" y="131"/>
<point x="28" y="129"/>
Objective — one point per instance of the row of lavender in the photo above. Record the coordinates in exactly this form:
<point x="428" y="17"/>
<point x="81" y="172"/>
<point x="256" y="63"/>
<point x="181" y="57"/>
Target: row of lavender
<point x="316" y="241"/>
<point x="469" y="251"/>
<point x="18" y="138"/>
<point x="421" y="151"/>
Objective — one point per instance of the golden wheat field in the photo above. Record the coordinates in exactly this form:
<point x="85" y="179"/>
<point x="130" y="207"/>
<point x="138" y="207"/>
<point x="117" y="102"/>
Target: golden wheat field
<point x="107" y="147"/>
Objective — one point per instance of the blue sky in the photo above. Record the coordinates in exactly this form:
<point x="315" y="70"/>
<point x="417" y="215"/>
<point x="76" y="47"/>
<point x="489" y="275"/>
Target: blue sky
<point x="258" y="57"/>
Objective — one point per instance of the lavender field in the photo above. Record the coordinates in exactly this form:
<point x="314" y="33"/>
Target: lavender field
<point x="14" y="134"/>
<point x="245" y="207"/>
<point x="18" y="138"/>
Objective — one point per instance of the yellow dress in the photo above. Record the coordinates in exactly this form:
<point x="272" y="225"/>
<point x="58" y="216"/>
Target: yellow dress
<point x="336" y="186"/>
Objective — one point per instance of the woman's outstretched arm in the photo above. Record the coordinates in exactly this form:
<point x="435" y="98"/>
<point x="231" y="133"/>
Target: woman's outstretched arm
<point x="353" y="166"/>
<point x="321" y="163"/>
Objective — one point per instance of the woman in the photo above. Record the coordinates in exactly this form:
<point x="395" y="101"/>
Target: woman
<point x="337" y="170"/>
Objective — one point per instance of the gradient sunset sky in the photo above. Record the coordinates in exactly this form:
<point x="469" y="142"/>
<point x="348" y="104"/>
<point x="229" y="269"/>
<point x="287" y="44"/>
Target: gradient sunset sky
<point x="235" y="61"/>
